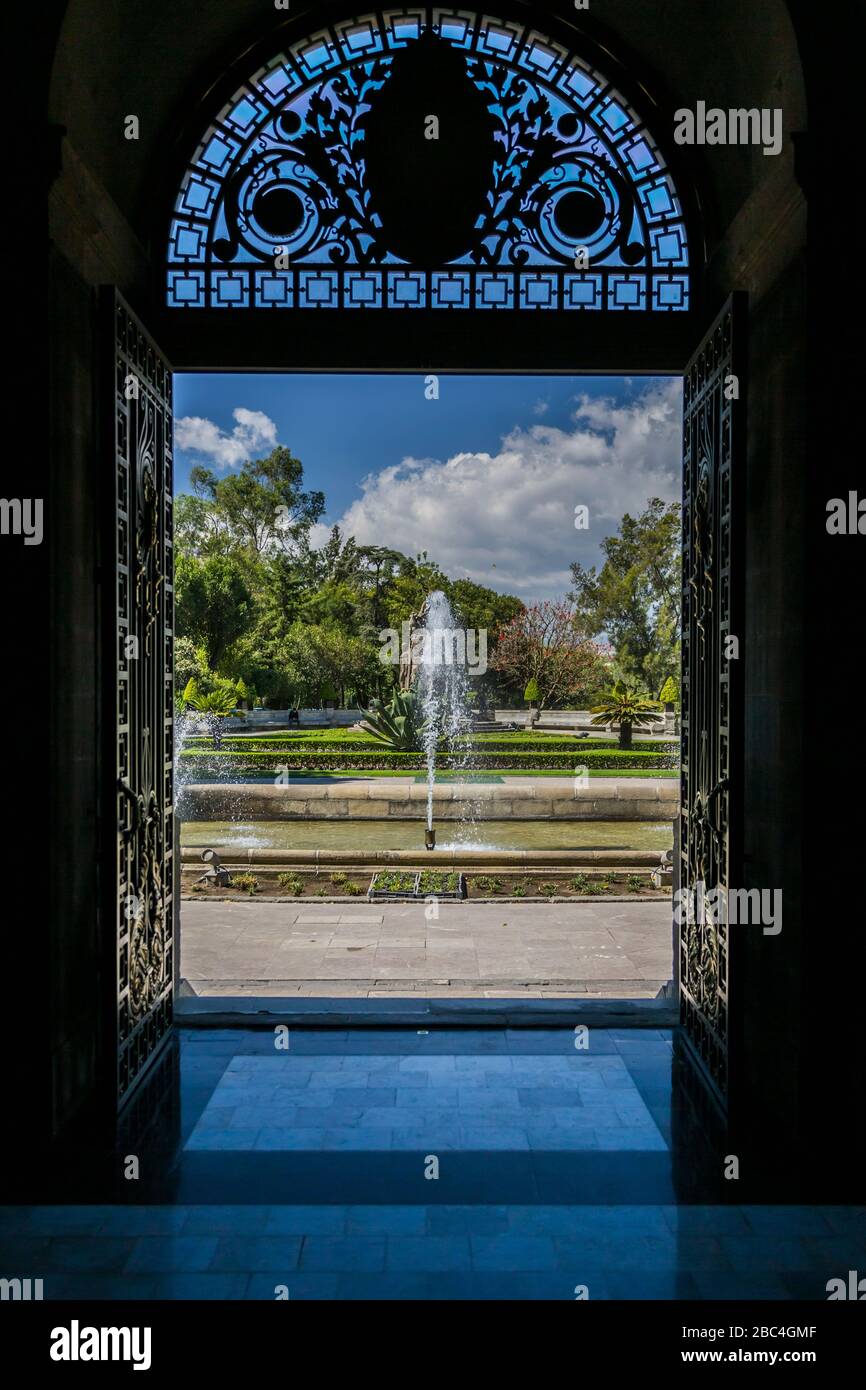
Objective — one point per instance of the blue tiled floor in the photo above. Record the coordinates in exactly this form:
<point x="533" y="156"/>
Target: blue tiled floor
<point x="309" y="1170"/>
<point x="387" y="1101"/>
<point x="434" y="1251"/>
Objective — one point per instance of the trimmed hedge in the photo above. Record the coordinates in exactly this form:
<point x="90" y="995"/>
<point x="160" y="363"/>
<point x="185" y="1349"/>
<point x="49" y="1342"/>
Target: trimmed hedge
<point x="478" y="749"/>
<point x="257" y="763"/>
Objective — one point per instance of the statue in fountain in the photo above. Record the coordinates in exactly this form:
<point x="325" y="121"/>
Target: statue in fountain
<point x="412" y="646"/>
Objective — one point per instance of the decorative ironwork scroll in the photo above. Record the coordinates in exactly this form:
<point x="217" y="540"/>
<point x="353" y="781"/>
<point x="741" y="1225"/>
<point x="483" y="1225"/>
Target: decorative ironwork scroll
<point x="142" y="675"/>
<point x="321" y="183"/>
<point x="713" y="406"/>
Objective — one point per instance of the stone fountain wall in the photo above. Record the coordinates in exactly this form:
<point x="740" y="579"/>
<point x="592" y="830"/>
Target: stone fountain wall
<point x="608" y="798"/>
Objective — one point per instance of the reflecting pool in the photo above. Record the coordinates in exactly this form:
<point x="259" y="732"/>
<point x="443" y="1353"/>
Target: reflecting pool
<point x="409" y="834"/>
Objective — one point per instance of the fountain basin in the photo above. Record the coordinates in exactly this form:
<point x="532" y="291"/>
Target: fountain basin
<point x="363" y="840"/>
<point x="524" y="799"/>
<point x="455" y="858"/>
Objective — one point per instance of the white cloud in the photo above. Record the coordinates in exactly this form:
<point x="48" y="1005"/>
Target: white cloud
<point x="320" y="534"/>
<point x="507" y="519"/>
<point x="254" y="433"/>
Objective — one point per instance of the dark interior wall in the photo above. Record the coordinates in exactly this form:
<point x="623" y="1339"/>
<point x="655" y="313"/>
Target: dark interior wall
<point x="29" y="778"/>
<point x="776" y="812"/>
<point x="76" y="984"/>
<point x="832" y="1077"/>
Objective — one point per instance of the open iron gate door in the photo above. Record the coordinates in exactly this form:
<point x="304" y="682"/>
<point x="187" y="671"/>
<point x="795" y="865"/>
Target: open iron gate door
<point x="714" y="406"/>
<point x="138" y="858"/>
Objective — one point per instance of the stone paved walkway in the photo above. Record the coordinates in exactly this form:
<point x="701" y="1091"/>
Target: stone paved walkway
<point x="482" y="950"/>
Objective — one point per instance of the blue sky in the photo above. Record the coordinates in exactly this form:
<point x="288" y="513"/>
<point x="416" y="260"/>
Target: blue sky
<point x="485" y="478"/>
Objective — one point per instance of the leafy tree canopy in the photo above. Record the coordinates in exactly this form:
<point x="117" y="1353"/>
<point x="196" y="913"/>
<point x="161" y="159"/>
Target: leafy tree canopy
<point x="262" y="607"/>
<point x="213" y="603"/>
<point x="262" y="506"/>
<point x="634" y="599"/>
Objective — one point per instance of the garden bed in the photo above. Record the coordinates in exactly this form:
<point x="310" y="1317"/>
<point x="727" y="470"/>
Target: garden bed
<point x="389" y="885"/>
<point x="486" y="887"/>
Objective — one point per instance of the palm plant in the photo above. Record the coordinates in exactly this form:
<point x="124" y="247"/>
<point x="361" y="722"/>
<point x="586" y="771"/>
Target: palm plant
<point x="397" y="724"/>
<point x="216" y="706"/>
<point x="627" y="709"/>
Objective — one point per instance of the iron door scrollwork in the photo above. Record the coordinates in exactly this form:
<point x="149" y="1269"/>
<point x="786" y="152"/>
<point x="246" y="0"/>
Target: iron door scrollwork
<point x="140" y="677"/>
<point x="713" y="405"/>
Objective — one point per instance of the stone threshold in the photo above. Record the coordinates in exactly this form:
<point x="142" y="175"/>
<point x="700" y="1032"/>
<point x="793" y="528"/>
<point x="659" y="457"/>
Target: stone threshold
<point x="264" y="1011"/>
<point x="470" y="988"/>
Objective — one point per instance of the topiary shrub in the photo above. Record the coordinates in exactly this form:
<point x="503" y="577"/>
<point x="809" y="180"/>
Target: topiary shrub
<point x="670" y="693"/>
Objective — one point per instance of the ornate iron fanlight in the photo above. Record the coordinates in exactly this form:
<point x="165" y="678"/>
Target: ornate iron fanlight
<point x="416" y="159"/>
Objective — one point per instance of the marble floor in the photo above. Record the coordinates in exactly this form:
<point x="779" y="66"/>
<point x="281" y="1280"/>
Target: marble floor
<point x="437" y="1164"/>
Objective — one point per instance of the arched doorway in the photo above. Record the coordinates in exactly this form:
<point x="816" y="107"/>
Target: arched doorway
<point x="770" y="226"/>
<point x="294" y="202"/>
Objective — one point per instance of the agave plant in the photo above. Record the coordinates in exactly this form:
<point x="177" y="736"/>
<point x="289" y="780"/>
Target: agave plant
<point x="627" y="709"/>
<point x="398" y="724"/>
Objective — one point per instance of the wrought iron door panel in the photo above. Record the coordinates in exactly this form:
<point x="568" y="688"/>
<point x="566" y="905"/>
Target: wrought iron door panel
<point x="713" y="406"/>
<point x="141" y="681"/>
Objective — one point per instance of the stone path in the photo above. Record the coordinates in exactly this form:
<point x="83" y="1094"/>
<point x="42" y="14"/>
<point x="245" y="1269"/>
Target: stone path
<point x="482" y="950"/>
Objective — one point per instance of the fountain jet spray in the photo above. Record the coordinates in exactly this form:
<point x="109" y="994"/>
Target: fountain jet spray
<point x="443" y="690"/>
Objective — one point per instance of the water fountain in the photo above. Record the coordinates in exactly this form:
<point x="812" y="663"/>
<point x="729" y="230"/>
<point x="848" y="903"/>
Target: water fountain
<point x="191" y="723"/>
<point x="442" y="686"/>
<point x="183" y="726"/>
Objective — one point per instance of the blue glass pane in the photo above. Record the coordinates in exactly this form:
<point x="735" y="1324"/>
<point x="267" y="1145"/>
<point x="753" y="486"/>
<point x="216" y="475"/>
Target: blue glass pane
<point x="276" y="210"/>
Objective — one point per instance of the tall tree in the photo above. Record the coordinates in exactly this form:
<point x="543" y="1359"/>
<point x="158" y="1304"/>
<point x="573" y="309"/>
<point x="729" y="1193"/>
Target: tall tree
<point x="482" y="609"/>
<point x="379" y="566"/>
<point x="544" y="644"/>
<point x="263" y="506"/>
<point x="405" y="593"/>
<point x="281" y="591"/>
<point x="634" y="599"/>
<point x="339" y="557"/>
<point x="196" y="528"/>
<point x="213" y="603"/>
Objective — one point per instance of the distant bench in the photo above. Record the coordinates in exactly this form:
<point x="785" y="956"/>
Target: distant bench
<point x="309" y="719"/>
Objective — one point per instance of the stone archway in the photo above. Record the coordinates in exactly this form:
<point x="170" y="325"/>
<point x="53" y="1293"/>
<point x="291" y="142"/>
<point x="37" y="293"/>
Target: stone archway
<point x="736" y="56"/>
<point x="279" y="148"/>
